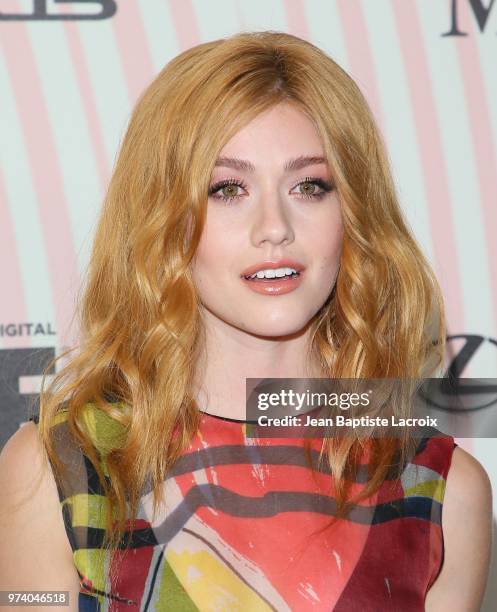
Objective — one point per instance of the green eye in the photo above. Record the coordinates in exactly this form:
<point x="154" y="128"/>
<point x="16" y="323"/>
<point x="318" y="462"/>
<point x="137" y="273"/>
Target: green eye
<point x="230" y="185"/>
<point x="313" y="182"/>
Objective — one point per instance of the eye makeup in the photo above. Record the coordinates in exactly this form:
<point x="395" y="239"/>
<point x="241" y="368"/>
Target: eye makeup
<point x="325" y="186"/>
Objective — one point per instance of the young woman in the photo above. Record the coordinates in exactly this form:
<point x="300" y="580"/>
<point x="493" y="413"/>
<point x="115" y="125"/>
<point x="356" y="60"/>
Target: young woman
<point x="255" y="153"/>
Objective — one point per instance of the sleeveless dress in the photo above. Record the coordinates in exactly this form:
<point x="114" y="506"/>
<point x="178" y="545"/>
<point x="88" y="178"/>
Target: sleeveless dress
<point x="239" y="529"/>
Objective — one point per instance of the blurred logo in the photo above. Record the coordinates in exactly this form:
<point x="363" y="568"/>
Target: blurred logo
<point x="453" y="392"/>
<point x="41" y="12"/>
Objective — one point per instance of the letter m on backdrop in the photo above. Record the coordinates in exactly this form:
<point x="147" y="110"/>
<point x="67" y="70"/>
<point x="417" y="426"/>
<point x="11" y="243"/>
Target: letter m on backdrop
<point x="480" y="12"/>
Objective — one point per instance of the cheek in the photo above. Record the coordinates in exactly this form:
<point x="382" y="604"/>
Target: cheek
<point x="216" y="250"/>
<point x="327" y="242"/>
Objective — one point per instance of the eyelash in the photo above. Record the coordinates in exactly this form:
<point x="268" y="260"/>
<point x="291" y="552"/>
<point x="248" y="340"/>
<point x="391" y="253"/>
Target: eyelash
<point x="324" y="185"/>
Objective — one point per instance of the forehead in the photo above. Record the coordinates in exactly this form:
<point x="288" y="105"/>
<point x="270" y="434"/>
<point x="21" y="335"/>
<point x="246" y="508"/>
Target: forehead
<point x="283" y="132"/>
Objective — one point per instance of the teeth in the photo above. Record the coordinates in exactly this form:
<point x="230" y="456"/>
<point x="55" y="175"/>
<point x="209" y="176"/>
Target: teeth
<point x="276" y="273"/>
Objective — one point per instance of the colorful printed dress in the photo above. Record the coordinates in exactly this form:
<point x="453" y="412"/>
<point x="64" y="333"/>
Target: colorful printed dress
<point x="238" y="530"/>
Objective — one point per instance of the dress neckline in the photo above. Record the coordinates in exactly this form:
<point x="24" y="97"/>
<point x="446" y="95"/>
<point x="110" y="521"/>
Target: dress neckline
<point x="223" y="418"/>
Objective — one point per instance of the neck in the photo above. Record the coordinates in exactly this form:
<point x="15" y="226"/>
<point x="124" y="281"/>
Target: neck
<point x="231" y="355"/>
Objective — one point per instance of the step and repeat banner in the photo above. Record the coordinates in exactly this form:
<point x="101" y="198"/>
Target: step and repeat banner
<point x="71" y="71"/>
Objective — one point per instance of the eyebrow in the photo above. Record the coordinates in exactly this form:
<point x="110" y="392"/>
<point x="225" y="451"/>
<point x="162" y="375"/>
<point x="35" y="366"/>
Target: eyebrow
<point x="291" y="165"/>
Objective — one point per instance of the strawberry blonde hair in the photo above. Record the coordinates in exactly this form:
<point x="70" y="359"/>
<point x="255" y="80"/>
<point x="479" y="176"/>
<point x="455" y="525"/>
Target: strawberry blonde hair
<point x="139" y="311"/>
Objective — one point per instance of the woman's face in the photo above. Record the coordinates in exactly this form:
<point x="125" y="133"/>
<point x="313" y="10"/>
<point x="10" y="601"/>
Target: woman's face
<point x="260" y="214"/>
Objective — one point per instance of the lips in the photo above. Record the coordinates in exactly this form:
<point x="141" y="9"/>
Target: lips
<point x="273" y="265"/>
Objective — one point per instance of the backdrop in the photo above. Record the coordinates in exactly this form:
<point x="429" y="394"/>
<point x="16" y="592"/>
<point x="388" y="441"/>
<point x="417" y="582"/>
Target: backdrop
<point x="70" y="72"/>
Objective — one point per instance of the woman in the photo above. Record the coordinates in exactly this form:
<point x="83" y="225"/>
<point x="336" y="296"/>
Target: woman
<point x="252" y="154"/>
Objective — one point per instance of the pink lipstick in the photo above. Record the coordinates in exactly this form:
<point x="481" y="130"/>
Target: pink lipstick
<point x="276" y="285"/>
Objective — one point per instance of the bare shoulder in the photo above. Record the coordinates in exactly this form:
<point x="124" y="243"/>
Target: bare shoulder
<point x="35" y="553"/>
<point x="23" y="473"/>
<point x="467" y="535"/>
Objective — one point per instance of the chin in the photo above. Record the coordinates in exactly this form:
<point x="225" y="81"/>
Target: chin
<point x="271" y="329"/>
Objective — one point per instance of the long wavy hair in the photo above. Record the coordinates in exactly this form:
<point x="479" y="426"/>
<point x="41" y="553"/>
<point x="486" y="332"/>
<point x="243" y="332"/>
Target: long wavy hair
<point x="139" y="312"/>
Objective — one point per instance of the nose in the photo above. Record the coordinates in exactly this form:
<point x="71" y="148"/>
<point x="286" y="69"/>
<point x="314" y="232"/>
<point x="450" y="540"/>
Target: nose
<point x="272" y="222"/>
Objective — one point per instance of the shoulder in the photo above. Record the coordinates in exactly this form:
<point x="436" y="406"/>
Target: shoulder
<point x="467" y="535"/>
<point x="21" y="463"/>
<point x="34" y="552"/>
<point x="26" y="479"/>
<point x="468" y="490"/>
